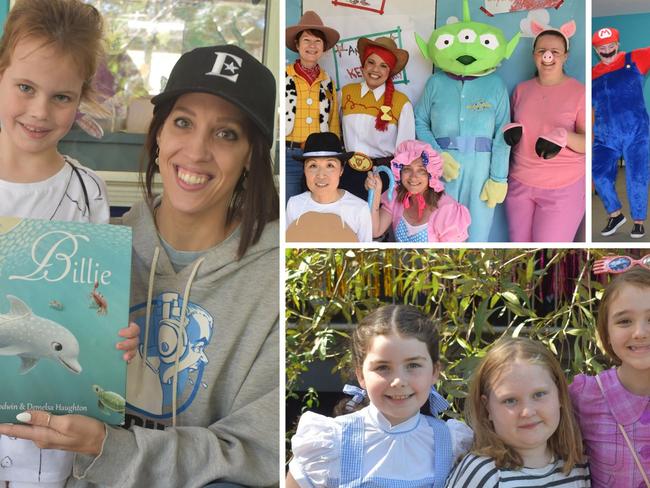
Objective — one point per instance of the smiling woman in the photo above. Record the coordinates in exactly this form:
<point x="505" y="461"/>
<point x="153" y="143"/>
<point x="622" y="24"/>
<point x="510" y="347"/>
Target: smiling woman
<point x="546" y="193"/>
<point x="196" y="249"/>
<point x="203" y="153"/>
<point x="376" y="117"/>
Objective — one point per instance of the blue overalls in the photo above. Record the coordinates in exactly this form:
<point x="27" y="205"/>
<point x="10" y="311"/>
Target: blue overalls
<point x="621" y="129"/>
<point x="352" y="449"/>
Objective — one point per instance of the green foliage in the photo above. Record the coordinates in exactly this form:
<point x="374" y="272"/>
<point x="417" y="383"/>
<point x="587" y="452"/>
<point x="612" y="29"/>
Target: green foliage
<point x="477" y="295"/>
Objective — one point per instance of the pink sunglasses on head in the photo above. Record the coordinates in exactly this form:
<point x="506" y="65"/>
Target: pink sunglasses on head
<point x="619" y="264"/>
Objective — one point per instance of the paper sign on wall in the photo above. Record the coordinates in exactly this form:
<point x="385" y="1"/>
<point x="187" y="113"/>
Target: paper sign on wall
<point x="505" y="6"/>
<point x="348" y="65"/>
<point x="399" y="19"/>
<point x="370" y="5"/>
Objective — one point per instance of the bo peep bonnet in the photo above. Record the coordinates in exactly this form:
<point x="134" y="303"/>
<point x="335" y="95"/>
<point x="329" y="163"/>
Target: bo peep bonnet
<point x="439" y="218"/>
<point x="363" y="449"/>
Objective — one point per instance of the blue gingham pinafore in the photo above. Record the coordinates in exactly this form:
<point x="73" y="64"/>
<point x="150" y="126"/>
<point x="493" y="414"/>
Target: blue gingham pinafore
<point x="352" y="449"/>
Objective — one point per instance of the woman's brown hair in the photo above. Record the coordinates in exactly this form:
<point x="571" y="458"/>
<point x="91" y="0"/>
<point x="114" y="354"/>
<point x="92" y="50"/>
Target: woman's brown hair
<point x="255" y="200"/>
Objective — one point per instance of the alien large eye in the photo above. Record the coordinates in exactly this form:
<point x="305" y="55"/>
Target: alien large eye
<point x="444" y="41"/>
<point x="467" y="36"/>
<point x="490" y="41"/>
<point x="56" y="346"/>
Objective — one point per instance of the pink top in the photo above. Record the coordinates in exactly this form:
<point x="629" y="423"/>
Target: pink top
<point x="540" y="109"/>
<point x="447" y="223"/>
<point x="610" y="459"/>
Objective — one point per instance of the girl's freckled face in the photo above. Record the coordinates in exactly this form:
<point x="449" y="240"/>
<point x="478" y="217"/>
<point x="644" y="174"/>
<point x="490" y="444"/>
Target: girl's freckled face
<point x="524" y="406"/>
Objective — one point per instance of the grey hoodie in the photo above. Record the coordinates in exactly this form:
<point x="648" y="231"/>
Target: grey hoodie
<point x="227" y="402"/>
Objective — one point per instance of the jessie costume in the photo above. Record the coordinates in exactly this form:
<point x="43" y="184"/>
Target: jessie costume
<point x="375" y="121"/>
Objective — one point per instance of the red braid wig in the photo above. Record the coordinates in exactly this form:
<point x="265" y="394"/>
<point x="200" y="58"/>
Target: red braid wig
<point x="390" y="59"/>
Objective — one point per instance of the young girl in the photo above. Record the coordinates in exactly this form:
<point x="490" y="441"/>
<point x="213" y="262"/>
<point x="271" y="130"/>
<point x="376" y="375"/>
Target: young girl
<point x="525" y="432"/>
<point x="419" y="210"/>
<point x="613" y="407"/>
<point x="48" y="56"/>
<point x="389" y="442"/>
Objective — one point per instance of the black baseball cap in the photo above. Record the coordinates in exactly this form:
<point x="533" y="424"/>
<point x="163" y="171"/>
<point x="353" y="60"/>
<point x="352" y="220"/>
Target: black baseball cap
<point x="230" y="73"/>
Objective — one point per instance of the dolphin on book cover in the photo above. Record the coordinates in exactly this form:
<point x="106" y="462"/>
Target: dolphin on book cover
<point x="30" y="337"/>
<point x="64" y="295"/>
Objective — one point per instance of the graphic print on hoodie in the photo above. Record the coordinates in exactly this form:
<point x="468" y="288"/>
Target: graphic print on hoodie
<point x="165" y="335"/>
<point x="229" y="427"/>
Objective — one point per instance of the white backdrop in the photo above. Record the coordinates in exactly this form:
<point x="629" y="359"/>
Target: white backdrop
<point x="400" y="20"/>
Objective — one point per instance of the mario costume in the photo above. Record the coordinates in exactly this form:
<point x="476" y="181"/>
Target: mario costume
<point x="621" y="128"/>
<point x="462" y="113"/>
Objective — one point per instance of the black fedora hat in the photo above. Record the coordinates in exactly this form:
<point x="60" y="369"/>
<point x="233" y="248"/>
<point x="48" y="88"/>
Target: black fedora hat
<point x="324" y="145"/>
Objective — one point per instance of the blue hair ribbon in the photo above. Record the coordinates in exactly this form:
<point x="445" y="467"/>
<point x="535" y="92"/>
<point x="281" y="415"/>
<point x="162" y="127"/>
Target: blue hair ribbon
<point x="357" y="394"/>
<point x="437" y="403"/>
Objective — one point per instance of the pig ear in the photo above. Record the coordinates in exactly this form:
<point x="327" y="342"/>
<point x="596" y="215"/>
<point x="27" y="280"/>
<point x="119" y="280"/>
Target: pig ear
<point x="536" y="27"/>
<point x="568" y="29"/>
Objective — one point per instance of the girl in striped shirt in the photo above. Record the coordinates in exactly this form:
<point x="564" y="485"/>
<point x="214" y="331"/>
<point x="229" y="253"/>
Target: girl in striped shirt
<point x="525" y="433"/>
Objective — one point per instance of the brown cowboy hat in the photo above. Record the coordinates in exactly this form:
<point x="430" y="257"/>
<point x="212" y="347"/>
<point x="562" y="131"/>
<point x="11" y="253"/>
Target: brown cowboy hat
<point x="311" y="21"/>
<point x="401" y="55"/>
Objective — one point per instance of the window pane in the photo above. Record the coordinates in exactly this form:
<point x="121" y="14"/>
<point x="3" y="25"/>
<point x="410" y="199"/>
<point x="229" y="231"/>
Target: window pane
<point x="146" y="37"/>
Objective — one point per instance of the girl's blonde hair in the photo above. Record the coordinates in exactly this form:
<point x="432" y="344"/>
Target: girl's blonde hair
<point x="69" y="26"/>
<point x="566" y="441"/>
<point x="638" y="277"/>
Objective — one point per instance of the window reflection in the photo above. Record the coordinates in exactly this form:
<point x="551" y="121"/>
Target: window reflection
<point x="146" y="38"/>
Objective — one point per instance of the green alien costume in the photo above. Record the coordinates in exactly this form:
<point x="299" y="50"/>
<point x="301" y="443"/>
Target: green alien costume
<point x="462" y="112"/>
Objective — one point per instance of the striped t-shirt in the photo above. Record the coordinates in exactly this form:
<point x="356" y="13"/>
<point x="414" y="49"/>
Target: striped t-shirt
<point x="480" y="472"/>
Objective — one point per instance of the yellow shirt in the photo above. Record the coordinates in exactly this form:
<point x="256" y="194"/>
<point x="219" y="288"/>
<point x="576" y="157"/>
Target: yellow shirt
<point x="308" y="103"/>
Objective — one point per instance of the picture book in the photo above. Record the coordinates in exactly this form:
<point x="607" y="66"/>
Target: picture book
<point x="64" y="295"/>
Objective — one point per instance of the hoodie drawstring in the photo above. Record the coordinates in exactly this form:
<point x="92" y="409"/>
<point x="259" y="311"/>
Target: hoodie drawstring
<point x="152" y="274"/>
<point x="186" y="296"/>
<point x="182" y="322"/>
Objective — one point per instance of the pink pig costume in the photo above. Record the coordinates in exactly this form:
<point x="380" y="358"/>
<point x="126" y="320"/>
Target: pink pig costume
<point x="598" y="413"/>
<point x="546" y="194"/>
